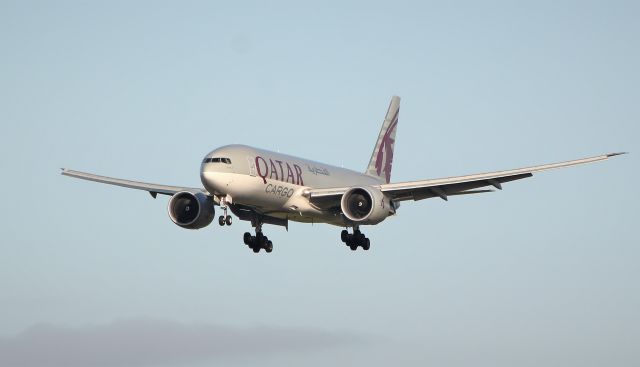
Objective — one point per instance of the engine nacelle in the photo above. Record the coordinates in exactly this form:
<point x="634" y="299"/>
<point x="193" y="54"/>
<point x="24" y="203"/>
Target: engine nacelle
<point x="191" y="210"/>
<point x="365" y="205"/>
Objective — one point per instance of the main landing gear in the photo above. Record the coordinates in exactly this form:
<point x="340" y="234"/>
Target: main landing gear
<point x="354" y="240"/>
<point x="259" y="241"/>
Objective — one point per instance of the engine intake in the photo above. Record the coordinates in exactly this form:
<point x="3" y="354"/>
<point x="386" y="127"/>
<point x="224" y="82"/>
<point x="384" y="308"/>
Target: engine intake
<point x="191" y="210"/>
<point x="365" y="205"/>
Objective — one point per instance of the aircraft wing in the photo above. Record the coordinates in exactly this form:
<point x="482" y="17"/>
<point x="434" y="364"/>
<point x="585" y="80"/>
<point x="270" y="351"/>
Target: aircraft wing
<point x="153" y="189"/>
<point x="444" y="187"/>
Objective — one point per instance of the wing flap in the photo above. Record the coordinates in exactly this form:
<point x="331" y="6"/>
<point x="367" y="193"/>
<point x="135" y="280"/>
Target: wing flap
<point x="444" y="187"/>
<point x="153" y="189"/>
<point x="443" y="191"/>
<point x="441" y="187"/>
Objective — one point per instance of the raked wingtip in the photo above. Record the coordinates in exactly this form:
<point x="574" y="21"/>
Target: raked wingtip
<point x="615" y="154"/>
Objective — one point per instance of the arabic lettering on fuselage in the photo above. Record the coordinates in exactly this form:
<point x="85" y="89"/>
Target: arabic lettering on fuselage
<point x="278" y="170"/>
<point x="317" y="171"/>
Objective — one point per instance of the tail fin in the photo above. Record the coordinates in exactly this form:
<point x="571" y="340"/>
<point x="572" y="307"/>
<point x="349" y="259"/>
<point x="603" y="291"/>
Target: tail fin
<point x="382" y="156"/>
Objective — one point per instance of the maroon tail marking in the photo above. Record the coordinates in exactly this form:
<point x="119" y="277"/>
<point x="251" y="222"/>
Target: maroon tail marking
<point x="386" y="150"/>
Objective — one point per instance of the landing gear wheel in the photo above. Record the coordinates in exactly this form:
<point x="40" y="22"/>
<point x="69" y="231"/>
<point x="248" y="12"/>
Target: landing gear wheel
<point x="355" y="239"/>
<point x="221" y="220"/>
<point x="344" y="235"/>
<point x="229" y="220"/>
<point x="257" y="242"/>
<point x="366" y="245"/>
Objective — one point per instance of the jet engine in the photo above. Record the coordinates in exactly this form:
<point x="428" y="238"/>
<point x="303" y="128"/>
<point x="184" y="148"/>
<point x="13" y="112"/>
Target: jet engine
<point x="365" y="205"/>
<point x="191" y="210"/>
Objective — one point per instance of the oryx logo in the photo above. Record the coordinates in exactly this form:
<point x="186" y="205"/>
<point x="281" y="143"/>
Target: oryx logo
<point x="384" y="158"/>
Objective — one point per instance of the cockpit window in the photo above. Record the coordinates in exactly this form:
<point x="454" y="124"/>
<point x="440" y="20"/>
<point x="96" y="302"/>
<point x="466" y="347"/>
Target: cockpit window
<point x="217" y="160"/>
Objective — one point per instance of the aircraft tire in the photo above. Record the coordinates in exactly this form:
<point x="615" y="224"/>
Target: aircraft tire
<point x="344" y="235"/>
<point x="366" y="244"/>
<point x="349" y="240"/>
<point x="221" y="220"/>
<point x="228" y="220"/>
<point x="247" y="238"/>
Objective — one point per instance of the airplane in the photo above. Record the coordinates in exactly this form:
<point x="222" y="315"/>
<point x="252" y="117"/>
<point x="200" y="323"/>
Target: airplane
<point x="265" y="187"/>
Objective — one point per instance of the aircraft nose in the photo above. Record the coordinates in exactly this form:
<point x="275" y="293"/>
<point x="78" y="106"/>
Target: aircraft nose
<point x="214" y="182"/>
<point x="209" y="180"/>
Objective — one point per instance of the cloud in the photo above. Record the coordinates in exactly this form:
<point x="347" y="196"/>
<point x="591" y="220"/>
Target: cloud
<point x="156" y="343"/>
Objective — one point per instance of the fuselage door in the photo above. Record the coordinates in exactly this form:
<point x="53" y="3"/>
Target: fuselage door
<point x="252" y="166"/>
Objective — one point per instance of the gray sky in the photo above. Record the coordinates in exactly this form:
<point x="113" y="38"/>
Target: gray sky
<point x="543" y="273"/>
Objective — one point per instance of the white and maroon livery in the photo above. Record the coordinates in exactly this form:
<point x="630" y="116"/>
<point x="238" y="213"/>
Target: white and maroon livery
<point x="266" y="187"/>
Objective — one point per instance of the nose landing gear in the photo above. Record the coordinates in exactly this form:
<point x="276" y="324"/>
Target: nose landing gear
<point x="225" y="218"/>
<point x="355" y="240"/>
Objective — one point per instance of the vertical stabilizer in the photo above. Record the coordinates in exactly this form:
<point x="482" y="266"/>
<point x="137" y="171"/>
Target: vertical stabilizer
<point x="382" y="156"/>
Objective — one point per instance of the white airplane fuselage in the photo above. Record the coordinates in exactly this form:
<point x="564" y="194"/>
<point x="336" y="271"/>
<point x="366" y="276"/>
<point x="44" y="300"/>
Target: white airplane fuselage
<point x="275" y="183"/>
